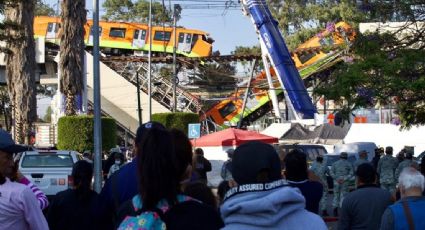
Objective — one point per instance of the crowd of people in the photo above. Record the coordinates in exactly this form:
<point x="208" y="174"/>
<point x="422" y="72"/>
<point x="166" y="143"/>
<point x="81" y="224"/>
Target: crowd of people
<point x="165" y="186"/>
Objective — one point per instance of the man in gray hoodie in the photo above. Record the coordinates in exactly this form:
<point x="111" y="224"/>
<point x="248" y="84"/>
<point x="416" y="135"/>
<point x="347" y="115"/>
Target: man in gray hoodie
<point x="262" y="199"/>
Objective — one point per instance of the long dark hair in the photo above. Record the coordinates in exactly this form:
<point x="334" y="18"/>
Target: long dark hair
<point x="82" y="173"/>
<point x="157" y="169"/>
<point x="183" y="151"/>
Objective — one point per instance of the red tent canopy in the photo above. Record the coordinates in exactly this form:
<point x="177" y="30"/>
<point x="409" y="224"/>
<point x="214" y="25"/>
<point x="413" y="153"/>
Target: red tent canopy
<point x="231" y="136"/>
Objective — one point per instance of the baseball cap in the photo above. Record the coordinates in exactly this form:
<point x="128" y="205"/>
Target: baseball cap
<point x="251" y="158"/>
<point x="7" y="144"/>
<point x="144" y="128"/>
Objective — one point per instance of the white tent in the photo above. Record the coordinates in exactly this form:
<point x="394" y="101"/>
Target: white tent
<point x="388" y="135"/>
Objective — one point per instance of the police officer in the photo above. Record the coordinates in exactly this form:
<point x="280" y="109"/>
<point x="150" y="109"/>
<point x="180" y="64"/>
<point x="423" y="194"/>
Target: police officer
<point x="320" y="169"/>
<point x="407" y="162"/>
<point x="362" y="159"/>
<point x="342" y="173"/>
<point x="386" y="170"/>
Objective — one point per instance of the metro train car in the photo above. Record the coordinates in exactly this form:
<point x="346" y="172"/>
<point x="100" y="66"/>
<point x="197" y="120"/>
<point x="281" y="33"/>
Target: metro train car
<point x="126" y="38"/>
<point x="310" y="57"/>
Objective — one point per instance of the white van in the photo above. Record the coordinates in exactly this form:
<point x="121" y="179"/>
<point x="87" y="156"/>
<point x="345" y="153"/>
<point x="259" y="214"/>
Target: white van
<point x="356" y="147"/>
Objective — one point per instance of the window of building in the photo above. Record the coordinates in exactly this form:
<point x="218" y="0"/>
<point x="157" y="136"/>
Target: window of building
<point x="117" y="33"/>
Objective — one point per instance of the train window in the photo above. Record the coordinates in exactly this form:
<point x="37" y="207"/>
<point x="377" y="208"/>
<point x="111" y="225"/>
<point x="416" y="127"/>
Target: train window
<point x="117" y="33"/>
<point x="227" y="109"/>
<point x="137" y="32"/>
<point x="50" y="27"/>
<point x="305" y="57"/>
<point x="181" y="37"/>
<point x="143" y="37"/>
<point x="162" y="36"/>
<point x="188" y="38"/>
<point x="194" y="39"/>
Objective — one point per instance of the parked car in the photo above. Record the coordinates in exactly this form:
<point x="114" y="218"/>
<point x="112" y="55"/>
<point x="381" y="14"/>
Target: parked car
<point x="356" y="147"/>
<point x="311" y="150"/>
<point x="332" y="158"/>
<point x="50" y="170"/>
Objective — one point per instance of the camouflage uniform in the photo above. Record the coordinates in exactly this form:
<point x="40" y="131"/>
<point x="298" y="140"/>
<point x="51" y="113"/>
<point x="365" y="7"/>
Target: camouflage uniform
<point x="321" y="170"/>
<point x="405" y="163"/>
<point x="386" y="167"/>
<point x="341" y="170"/>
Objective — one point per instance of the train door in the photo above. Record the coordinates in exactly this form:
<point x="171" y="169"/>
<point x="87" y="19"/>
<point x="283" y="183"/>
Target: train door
<point x="91" y="35"/>
<point x="139" y="38"/>
<point x="185" y="42"/>
<point x="52" y="30"/>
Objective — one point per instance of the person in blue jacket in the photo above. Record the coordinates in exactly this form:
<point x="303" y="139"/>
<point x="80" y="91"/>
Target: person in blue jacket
<point x="407" y="213"/>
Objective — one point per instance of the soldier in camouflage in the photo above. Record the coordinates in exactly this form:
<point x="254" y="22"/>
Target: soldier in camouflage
<point x="320" y="169"/>
<point x="342" y="173"/>
<point x="386" y="170"/>
<point x="362" y="159"/>
<point x="407" y="162"/>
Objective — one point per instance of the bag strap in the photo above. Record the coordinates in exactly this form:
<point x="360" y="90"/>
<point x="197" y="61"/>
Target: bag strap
<point x="408" y="214"/>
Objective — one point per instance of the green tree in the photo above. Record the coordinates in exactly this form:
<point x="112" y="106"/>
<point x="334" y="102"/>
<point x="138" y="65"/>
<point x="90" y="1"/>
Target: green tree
<point x="20" y="65"/>
<point x="43" y="9"/>
<point x="213" y="77"/>
<point x="71" y="61"/>
<point x="138" y="11"/>
<point x="387" y="68"/>
<point x="300" y="20"/>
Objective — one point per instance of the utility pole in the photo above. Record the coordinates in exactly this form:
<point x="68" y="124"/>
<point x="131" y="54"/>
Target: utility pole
<point x="96" y="101"/>
<point x="174" y="61"/>
<point x="150" y="63"/>
<point x="139" y="107"/>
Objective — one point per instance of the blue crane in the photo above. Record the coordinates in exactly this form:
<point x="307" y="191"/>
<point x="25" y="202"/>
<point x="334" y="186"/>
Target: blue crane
<point x="274" y="45"/>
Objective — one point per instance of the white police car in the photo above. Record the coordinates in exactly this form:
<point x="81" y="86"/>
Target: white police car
<point x="49" y="170"/>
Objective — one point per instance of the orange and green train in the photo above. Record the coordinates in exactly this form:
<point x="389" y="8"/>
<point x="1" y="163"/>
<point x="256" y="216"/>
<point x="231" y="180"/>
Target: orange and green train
<point x="126" y="38"/>
<point x="228" y="111"/>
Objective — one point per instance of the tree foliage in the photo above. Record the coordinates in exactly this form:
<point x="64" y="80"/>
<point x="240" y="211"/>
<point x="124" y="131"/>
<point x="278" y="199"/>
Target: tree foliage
<point x="138" y="11"/>
<point x="215" y="76"/>
<point x="43" y="9"/>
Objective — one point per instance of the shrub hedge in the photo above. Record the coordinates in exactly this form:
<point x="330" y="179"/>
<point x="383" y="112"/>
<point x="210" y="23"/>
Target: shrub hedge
<point x="176" y="120"/>
<point x="76" y="133"/>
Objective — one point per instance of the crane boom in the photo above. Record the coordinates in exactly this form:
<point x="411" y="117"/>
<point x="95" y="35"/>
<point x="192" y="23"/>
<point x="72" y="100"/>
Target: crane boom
<point x="280" y="58"/>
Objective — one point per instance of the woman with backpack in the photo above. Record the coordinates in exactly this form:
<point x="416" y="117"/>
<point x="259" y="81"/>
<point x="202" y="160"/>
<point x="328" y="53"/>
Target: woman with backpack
<point x="160" y="203"/>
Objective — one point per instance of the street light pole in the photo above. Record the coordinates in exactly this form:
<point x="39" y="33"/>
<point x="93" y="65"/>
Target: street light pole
<point x="174" y="61"/>
<point x="96" y="101"/>
<point x="150" y="63"/>
<point x="139" y="108"/>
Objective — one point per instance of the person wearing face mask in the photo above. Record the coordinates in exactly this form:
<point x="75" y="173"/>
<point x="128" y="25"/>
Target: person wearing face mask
<point x="119" y="162"/>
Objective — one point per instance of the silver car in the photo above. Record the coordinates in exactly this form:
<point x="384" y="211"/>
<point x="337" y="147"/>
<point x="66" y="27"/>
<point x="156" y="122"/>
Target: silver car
<point x="49" y="170"/>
